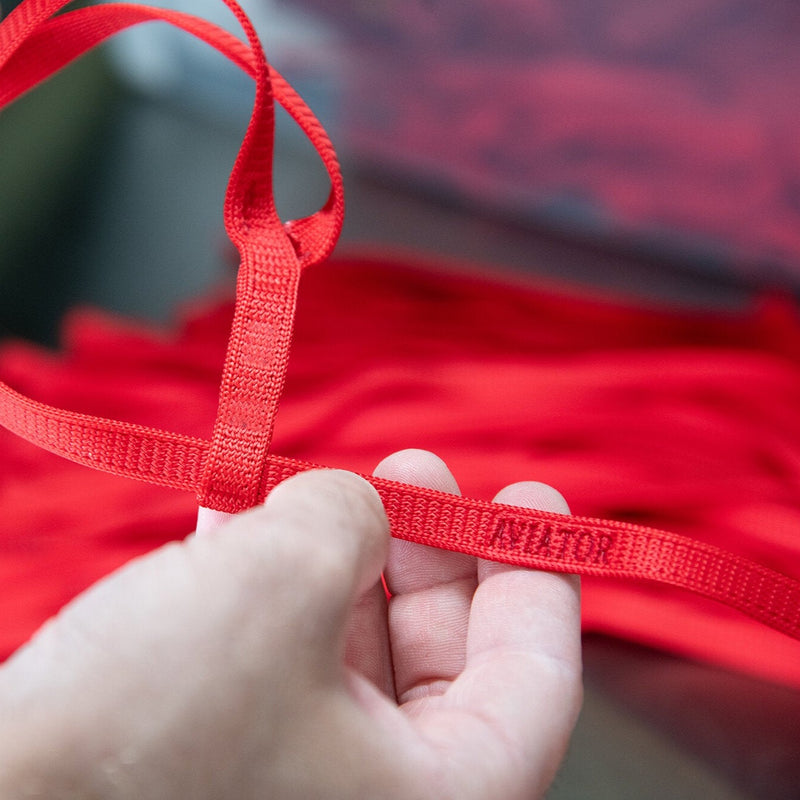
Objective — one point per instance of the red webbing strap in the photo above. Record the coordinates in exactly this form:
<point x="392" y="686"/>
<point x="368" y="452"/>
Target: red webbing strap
<point x="235" y="469"/>
<point x="62" y="39"/>
<point x="272" y="254"/>
<point x="121" y="448"/>
<point x="561" y="543"/>
<point x="524" y="537"/>
<point x="58" y="41"/>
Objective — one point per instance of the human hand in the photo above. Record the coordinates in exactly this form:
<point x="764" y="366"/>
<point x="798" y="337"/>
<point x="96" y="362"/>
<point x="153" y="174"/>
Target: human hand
<point x="263" y="660"/>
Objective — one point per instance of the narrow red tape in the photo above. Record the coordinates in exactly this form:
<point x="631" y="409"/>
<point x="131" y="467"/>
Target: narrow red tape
<point x="235" y="470"/>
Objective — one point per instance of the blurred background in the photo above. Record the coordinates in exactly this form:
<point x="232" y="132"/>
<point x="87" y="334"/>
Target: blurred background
<point x="640" y="147"/>
<point x="660" y="138"/>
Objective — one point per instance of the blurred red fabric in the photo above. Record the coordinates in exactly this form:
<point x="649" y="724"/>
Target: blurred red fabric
<point x="668" y="126"/>
<point x="681" y="420"/>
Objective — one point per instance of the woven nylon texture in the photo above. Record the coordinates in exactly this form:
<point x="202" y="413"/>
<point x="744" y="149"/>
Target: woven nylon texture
<point x="234" y="470"/>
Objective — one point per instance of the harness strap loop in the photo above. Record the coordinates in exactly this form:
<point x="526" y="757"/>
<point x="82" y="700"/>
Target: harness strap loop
<point x="33" y="45"/>
<point x="235" y="470"/>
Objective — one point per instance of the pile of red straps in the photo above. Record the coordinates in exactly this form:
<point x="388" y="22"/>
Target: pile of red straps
<point x="650" y="418"/>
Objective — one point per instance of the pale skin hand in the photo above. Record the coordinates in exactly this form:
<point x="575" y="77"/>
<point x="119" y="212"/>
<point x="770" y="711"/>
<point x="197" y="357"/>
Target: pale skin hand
<point x="262" y="660"/>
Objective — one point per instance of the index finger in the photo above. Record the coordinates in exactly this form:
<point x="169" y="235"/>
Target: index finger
<point x="514" y="605"/>
<point x="510" y="713"/>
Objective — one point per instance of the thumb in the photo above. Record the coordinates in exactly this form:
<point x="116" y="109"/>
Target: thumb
<point x="194" y="637"/>
<point x="319" y="540"/>
<point x="325" y="542"/>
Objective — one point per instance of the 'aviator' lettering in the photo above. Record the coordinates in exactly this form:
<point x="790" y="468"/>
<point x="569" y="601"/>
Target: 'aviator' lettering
<point x="550" y="540"/>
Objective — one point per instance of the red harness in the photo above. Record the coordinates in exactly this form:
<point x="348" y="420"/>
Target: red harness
<point x="235" y="469"/>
